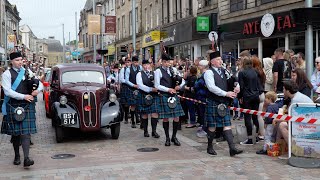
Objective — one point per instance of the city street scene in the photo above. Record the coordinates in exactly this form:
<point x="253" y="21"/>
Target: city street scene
<point x="159" y="89"/>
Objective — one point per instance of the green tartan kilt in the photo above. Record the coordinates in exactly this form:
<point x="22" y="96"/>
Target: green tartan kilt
<point x="142" y="108"/>
<point x="212" y="118"/>
<point x="165" y="111"/>
<point x="12" y="127"/>
<point x="131" y="100"/>
<point x="124" y="93"/>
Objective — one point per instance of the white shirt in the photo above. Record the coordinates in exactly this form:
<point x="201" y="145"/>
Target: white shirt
<point x="141" y="86"/>
<point x="114" y="77"/>
<point x="158" y="76"/>
<point x="121" y="75"/>
<point x="300" y="98"/>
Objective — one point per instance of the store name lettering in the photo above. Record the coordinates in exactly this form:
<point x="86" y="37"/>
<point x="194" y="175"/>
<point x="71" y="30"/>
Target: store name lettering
<point x="148" y="39"/>
<point x="282" y="22"/>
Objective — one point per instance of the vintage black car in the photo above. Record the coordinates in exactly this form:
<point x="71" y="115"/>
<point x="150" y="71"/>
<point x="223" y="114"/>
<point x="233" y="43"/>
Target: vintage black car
<point x="79" y="98"/>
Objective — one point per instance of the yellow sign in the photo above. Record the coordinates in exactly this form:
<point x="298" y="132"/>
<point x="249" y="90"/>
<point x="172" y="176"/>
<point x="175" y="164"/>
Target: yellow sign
<point x="80" y="45"/>
<point x="151" y="38"/>
<point x="94" y="24"/>
<point x="111" y="49"/>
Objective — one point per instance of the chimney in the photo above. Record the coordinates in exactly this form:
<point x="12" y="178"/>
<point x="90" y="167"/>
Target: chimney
<point x="51" y="37"/>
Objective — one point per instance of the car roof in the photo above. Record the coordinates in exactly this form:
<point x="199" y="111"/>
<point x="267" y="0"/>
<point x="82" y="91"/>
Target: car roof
<point x="79" y="66"/>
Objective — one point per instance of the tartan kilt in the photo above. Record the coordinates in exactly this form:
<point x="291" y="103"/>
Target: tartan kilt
<point x="212" y="119"/>
<point x="124" y="93"/>
<point x="165" y="111"/>
<point x="131" y="100"/>
<point x="142" y="108"/>
<point x="12" y="127"/>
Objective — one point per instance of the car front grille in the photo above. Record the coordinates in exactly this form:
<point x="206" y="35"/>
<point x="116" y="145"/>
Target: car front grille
<point x="89" y="109"/>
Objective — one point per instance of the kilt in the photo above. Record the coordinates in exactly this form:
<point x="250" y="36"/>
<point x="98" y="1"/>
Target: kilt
<point x="27" y="126"/>
<point x="124" y="93"/>
<point x="131" y="100"/>
<point x="142" y="108"/>
<point x="165" y="111"/>
<point x="212" y="119"/>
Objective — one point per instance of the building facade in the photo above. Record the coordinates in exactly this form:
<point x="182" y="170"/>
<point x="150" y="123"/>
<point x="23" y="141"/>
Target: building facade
<point x="2" y="29"/>
<point x="50" y="48"/>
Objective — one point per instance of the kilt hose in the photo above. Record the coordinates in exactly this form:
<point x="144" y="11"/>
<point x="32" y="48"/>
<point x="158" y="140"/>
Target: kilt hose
<point x="124" y="94"/>
<point x="12" y="127"/>
<point x="143" y="108"/>
<point x="212" y="118"/>
<point x="165" y="111"/>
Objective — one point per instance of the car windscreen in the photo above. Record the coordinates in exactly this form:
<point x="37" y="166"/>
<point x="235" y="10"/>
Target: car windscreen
<point x="47" y="77"/>
<point x="82" y="76"/>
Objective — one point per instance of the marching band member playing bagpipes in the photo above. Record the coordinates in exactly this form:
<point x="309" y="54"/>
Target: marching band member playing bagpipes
<point x="147" y="99"/>
<point x="130" y="76"/>
<point x="18" y="108"/>
<point x="168" y="83"/>
<point x="218" y="99"/>
<point x="124" y="89"/>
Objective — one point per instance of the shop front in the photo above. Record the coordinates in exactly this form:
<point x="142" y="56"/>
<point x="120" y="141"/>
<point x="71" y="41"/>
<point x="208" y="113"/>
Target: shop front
<point x="151" y="45"/>
<point x="178" y="38"/>
<point x="111" y="53"/>
<point x="88" y="58"/>
<point x="262" y="35"/>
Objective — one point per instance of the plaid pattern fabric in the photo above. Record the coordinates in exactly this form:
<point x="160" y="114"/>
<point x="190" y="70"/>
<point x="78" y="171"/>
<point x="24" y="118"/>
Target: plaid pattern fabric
<point x="124" y="94"/>
<point x="131" y="101"/>
<point x="12" y="127"/>
<point x="165" y="111"/>
<point x="212" y="119"/>
<point x="143" y="108"/>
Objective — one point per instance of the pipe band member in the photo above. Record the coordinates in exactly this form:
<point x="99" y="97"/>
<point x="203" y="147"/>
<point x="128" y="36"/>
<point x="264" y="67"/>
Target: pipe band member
<point x="18" y="108"/>
<point x="124" y="89"/>
<point x="130" y="76"/>
<point x="148" y="101"/>
<point x="217" y="111"/>
<point x="169" y="104"/>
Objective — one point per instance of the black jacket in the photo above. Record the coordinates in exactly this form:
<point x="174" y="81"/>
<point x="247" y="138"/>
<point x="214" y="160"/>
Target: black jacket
<point x="249" y="84"/>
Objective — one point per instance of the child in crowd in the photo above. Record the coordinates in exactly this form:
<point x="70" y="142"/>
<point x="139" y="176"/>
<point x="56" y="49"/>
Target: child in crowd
<point x="272" y="107"/>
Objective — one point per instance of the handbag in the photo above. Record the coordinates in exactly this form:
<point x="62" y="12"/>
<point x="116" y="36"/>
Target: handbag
<point x="242" y="135"/>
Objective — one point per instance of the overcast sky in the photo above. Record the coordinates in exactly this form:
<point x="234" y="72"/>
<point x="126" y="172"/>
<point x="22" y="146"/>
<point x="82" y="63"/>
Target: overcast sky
<point x="45" y="17"/>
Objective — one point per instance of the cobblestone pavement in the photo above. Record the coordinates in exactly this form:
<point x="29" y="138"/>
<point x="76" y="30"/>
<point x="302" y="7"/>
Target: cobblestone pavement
<point x="97" y="156"/>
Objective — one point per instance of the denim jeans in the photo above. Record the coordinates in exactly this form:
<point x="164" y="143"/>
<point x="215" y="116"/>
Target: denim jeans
<point x="192" y="111"/>
<point x="236" y="104"/>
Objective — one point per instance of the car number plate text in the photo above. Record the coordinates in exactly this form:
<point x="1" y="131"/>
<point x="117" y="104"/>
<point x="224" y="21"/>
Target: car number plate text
<point x="69" y="118"/>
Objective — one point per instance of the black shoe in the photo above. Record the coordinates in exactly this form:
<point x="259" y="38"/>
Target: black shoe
<point x="28" y="162"/>
<point x="16" y="160"/>
<point x="126" y="122"/>
<point x="141" y="126"/>
<point x="235" y="151"/>
<point x="155" y="135"/>
<point x="31" y="143"/>
<point x="263" y="152"/>
<point x="211" y="151"/>
<point x="220" y="139"/>
<point x="175" y="141"/>
<point x="133" y="126"/>
<point x="146" y="134"/>
<point x="167" y="142"/>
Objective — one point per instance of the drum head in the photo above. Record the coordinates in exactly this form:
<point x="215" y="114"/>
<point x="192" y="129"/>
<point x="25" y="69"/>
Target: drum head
<point x="19" y="114"/>
<point x="172" y="102"/>
<point x="222" y="110"/>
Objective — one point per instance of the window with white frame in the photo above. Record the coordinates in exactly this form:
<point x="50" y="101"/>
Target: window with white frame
<point x="119" y="29"/>
<point x="123" y="26"/>
<point x="130" y="23"/>
<point x="146" y="15"/>
<point x="40" y="48"/>
<point x="137" y="20"/>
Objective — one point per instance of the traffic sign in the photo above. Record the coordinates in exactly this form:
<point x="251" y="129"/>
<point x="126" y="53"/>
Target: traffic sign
<point x="75" y="53"/>
<point x="203" y="23"/>
<point x="213" y="34"/>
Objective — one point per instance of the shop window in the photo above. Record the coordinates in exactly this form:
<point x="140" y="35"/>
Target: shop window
<point x="297" y="42"/>
<point x="236" y="5"/>
<point x="267" y="1"/>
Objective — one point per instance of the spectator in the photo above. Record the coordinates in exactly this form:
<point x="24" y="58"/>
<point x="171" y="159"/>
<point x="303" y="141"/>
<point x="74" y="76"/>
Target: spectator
<point x="287" y="65"/>
<point x="249" y="95"/>
<point x="262" y="79"/>
<point x="189" y="92"/>
<point x="267" y="68"/>
<point x="278" y="69"/>
<point x="272" y="107"/>
<point x="315" y="77"/>
<point x="290" y="91"/>
<point x="300" y="63"/>
<point x="273" y="57"/>
<point x="300" y="78"/>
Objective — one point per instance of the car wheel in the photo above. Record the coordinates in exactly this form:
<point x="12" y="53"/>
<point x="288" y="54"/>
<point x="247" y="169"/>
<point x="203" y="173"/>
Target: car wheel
<point x="115" y="131"/>
<point x="59" y="134"/>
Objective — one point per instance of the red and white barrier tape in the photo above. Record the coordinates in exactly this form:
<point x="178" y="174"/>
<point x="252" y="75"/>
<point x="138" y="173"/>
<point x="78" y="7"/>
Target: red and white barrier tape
<point x="265" y="114"/>
<point x="190" y="99"/>
<point x="277" y="116"/>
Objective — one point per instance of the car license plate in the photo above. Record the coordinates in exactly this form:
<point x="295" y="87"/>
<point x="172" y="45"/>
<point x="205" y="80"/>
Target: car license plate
<point x="69" y="118"/>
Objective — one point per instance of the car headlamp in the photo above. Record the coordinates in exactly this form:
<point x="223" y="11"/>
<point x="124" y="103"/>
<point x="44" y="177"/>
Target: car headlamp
<point x="63" y="100"/>
<point x="112" y="98"/>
